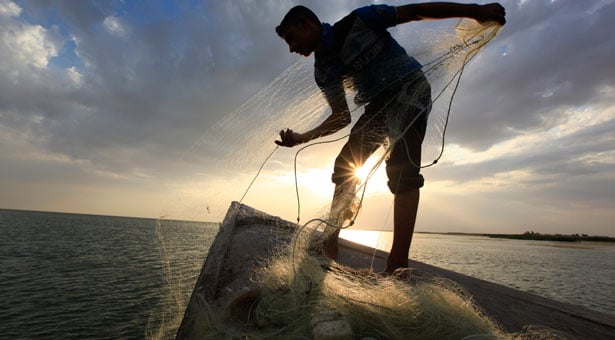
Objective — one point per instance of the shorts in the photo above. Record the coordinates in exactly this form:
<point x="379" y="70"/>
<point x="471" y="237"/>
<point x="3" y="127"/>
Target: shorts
<point x="396" y="117"/>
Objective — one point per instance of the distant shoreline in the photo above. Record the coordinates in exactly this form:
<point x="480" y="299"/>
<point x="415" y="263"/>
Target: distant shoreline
<point x="534" y="236"/>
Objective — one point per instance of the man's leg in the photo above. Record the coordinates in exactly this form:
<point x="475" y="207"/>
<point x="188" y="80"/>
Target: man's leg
<point x="366" y="136"/>
<point x="342" y="210"/>
<point x="412" y="106"/>
<point x="405" y="208"/>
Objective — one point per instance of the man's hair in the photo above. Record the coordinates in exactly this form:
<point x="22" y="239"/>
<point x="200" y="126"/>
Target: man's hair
<point x="295" y="16"/>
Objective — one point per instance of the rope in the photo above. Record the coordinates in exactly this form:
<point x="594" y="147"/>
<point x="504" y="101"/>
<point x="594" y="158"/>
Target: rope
<point x="258" y="173"/>
<point x="433" y="65"/>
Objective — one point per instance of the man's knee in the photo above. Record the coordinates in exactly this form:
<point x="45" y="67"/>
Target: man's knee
<point x="403" y="177"/>
<point x="344" y="168"/>
<point x="398" y="185"/>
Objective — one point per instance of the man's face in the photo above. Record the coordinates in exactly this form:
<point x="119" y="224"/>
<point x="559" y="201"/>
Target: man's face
<point x="302" y="38"/>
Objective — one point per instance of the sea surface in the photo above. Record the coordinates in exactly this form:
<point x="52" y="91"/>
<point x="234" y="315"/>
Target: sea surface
<point x="580" y="273"/>
<point x="67" y="276"/>
<point x="75" y="276"/>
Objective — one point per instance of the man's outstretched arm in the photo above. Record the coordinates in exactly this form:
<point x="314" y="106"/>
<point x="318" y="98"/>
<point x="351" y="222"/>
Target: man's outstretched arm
<point x="443" y="10"/>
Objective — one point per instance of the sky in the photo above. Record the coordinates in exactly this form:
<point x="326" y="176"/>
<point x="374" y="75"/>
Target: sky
<point x="109" y="108"/>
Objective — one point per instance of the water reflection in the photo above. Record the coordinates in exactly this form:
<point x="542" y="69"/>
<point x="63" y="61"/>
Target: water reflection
<point x="581" y="273"/>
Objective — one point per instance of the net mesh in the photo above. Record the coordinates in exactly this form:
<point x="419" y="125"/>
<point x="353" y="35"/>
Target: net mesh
<point x="298" y="288"/>
<point x="299" y="294"/>
<point x="245" y="137"/>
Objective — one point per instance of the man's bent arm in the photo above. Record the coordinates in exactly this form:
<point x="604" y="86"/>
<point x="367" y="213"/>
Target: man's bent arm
<point x="444" y="10"/>
<point x="339" y="119"/>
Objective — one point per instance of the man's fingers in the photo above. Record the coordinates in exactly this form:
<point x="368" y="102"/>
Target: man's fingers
<point x="495" y="12"/>
<point x="286" y="138"/>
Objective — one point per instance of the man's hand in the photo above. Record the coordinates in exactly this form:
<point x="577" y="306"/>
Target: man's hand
<point x="288" y="138"/>
<point x="491" y="12"/>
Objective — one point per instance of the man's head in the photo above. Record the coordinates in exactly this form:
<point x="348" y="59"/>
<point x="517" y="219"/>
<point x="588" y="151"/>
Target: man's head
<point x="301" y="29"/>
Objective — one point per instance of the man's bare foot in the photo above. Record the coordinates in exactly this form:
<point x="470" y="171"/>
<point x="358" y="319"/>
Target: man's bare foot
<point x="330" y="248"/>
<point x="394" y="264"/>
<point x="401" y="273"/>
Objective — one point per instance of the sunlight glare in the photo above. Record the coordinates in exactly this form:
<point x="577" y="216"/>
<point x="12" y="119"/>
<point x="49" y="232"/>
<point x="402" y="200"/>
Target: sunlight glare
<point x="370" y="238"/>
<point x="363" y="172"/>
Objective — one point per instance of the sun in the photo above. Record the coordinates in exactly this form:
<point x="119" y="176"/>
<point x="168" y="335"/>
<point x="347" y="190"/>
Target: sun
<point x="362" y="173"/>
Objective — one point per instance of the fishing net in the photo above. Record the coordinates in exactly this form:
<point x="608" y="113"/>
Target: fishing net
<point x="296" y="293"/>
<point x="245" y="137"/>
<point x="298" y="290"/>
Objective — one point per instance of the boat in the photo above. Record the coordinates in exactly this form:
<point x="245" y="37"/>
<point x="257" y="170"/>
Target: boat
<point x="228" y="286"/>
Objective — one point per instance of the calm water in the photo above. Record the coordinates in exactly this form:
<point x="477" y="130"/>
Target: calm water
<point x="578" y="273"/>
<point x="81" y="276"/>
<point x="581" y="274"/>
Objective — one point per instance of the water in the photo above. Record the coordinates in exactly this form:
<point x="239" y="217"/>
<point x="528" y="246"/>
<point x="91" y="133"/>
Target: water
<point x="580" y="273"/>
<point x="96" y="277"/>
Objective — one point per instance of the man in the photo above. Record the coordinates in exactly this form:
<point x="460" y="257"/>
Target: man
<point x="359" y="52"/>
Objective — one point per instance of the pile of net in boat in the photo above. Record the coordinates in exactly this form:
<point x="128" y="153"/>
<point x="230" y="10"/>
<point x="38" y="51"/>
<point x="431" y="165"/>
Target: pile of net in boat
<point x="299" y="290"/>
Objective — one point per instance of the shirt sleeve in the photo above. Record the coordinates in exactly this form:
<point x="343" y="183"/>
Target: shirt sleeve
<point x="333" y="90"/>
<point x="378" y="16"/>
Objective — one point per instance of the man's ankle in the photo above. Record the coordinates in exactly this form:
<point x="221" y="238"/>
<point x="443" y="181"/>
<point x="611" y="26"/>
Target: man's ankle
<point x="330" y="247"/>
<point x="395" y="263"/>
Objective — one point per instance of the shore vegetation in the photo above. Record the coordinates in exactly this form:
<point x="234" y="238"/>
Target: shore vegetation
<point x="531" y="235"/>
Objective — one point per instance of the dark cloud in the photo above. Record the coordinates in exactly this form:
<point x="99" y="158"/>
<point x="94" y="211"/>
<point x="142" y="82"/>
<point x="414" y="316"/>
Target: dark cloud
<point x="150" y="79"/>
<point x="168" y="77"/>
<point x="556" y="59"/>
<point x="551" y="159"/>
<point x="164" y="78"/>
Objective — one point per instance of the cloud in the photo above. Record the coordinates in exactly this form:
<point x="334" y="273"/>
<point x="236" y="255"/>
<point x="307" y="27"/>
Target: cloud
<point x="119" y="94"/>
<point x="115" y="26"/>
<point x="9" y="9"/>
<point x="556" y="60"/>
<point x="24" y="48"/>
<point x="173" y="77"/>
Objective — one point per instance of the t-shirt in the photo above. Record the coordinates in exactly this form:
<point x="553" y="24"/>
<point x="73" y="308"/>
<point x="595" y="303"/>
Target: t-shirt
<point x="362" y="55"/>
